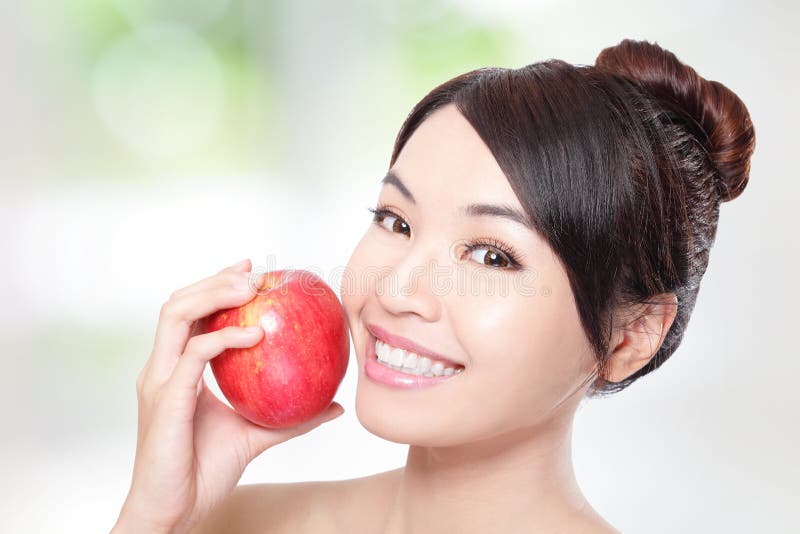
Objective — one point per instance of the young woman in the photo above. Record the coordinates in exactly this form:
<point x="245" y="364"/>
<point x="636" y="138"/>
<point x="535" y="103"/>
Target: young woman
<point x="540" y="238"/>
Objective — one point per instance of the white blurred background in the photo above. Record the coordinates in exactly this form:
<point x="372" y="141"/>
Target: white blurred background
<point x="147" y="144"/>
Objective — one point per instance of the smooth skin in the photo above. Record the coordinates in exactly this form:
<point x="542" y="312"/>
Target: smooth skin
<point x="489" y="449"/>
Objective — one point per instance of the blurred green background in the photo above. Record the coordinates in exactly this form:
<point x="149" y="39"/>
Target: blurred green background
<point x="147" y="144"/>
<point x="145" y="88"/>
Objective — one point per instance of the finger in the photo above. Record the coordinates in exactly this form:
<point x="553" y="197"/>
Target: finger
<point x="201" y="349"/>
<point x="201" y="385"/>
<point x="227" y="275"/>
<point x="261" y="439"/>
<point x="178" y="315"/>
<point x="242" y="266"/>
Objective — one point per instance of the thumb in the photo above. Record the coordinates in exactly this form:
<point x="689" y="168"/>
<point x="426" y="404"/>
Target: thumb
<point x="261" y="438"/>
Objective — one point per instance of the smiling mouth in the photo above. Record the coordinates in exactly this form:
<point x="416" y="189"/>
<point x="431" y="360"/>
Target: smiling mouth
<point x="412" y="363"/>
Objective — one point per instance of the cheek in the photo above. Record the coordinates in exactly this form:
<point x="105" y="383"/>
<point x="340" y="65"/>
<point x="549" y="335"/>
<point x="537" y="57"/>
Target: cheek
<point x="525" y="349"/>
<point x="363" y="270"/>
<point x="354" y="288"/>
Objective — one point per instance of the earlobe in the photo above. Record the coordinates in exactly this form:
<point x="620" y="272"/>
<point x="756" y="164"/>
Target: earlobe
<point x="638" y="341"/>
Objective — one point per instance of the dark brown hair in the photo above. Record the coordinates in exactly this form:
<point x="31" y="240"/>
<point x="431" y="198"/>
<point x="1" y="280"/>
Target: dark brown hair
<point x="621" y="166"/>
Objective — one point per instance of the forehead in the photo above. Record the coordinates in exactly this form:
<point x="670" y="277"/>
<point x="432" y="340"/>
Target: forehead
<point x="445" y="158"/>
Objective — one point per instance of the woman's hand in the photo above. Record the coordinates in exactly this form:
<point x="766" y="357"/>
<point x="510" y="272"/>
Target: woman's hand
<point x="191" y="448"/>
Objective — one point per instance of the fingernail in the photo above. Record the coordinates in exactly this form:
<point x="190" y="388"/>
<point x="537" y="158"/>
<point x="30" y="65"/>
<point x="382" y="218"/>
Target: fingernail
<point x="252" y="329"/>
<point x="257" y="280"/>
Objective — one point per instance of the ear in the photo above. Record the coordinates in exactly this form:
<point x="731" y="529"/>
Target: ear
<point x="636" y="341"/>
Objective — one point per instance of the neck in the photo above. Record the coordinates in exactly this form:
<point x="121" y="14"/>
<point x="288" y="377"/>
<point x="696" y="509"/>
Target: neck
<point x="491" y="485"/>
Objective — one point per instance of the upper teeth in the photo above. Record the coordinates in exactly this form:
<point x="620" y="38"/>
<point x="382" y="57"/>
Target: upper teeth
<point x="411" y="362"/>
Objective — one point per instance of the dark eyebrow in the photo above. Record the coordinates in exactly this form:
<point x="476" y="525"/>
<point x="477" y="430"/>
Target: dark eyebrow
<point x="392" y="178"/>
<point x="474" y="210"/>
<point x="498" y="210"/>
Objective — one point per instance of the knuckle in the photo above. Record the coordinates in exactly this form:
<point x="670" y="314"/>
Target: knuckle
<point x="176" y="295"/>
<point x="166" y="308"/>
<point x="144" y="391"/>
<point x="143" y="381"/>
<point x="170" y="309"/>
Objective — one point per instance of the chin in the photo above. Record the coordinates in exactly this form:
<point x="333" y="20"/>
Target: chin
<point x="428" y="417"/>
<point x="385" y="419"/>
<point x="379" y="418"/>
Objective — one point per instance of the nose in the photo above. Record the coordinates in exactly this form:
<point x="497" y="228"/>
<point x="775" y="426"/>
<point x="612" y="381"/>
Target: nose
<point x="407" y="286"/>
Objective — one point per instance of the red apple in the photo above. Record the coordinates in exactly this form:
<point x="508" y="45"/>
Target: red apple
<point x="292" y="374"/>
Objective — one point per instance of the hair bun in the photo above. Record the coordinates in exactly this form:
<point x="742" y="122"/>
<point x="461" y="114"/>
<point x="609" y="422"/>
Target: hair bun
<point x="719" y="112"/>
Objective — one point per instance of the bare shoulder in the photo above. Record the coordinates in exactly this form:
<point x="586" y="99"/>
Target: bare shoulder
<point x="265" y="509"/>
<point x="299" y="507"/>
<point x="591" y="522"/>
<point x="599" y="527"/>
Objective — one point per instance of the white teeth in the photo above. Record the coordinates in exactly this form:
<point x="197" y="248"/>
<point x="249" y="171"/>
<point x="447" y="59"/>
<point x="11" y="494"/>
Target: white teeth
<point x="410" y="362"/>
<point x="396" y="357"/>
<point x="382" y="350"/>
<point x="424" y="365"/>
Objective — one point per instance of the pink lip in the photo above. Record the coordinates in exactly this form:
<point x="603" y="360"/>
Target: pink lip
<point x="390" y="377"/>
<point x="407" y="344"/>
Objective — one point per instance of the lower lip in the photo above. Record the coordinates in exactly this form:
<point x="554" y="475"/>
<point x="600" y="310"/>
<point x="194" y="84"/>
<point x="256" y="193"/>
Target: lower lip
<point x="390" y="377"/>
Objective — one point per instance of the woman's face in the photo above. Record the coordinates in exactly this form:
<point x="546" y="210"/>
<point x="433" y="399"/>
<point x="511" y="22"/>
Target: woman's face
<point x="417" y="273"/>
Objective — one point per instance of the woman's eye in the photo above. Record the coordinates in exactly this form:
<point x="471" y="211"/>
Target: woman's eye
<point x="392" y="223"/>
<point x="490" y="257"/>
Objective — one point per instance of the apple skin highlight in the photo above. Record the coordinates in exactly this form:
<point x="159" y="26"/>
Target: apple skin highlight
<point x="293" y="373"/>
